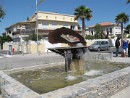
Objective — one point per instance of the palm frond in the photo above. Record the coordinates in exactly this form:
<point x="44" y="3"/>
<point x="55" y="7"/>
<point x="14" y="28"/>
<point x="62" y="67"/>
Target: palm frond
<point x="122" y="18"/>
<point x="83" y="13"/>
<point x="128" y="1"/>
<point x="2" y="13"/>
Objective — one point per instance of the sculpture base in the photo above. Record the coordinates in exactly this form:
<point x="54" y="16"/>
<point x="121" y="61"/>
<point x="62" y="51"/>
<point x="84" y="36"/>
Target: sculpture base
<point x="72" y="55"/>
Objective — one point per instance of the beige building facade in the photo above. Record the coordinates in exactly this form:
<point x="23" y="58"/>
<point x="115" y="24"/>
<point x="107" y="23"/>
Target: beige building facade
<point x="51" y="21"/>
<point x="43" y="23"/>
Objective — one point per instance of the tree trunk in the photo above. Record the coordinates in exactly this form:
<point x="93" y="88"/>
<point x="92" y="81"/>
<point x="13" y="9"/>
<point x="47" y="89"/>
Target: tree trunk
<point x="121" y="32"/>
<point x="83" y="28"/>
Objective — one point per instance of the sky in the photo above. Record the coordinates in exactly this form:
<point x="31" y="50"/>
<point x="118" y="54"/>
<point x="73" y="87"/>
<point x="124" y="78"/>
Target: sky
<point x="103" y="10"/>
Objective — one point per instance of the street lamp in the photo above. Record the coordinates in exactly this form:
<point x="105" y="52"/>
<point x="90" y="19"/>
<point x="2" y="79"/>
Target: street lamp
<point x="36" y="30"/>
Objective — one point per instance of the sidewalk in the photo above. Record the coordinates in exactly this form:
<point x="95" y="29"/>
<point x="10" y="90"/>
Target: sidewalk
<point x="125" y="93"/>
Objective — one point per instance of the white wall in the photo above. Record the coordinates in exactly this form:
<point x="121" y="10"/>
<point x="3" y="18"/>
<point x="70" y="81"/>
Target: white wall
<point x="49" y="45"/>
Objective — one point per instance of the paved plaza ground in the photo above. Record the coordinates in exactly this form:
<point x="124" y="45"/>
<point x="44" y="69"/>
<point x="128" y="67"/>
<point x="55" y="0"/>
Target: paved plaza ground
<point x="26" y="60"/>
<point x="17" y="61"/>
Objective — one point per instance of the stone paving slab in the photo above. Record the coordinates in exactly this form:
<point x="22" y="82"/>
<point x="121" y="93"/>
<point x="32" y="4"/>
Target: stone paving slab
<point x="18" y="61"/>
<point x="122" y="94"/>
<point x="125" y="93"/>
<point x="121" y="59"/>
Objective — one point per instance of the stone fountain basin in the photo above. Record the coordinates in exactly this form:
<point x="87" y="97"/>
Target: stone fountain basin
<point x="100" y="87"/>
<point x="74" y="50"/>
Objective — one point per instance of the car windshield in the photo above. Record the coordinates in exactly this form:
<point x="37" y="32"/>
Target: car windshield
<point x="97" y="43"/>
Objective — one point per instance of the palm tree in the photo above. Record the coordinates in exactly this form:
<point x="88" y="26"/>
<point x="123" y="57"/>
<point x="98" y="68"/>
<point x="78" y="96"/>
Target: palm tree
<point x="2" y="13"/>
<point x="121" y="19"/>
<point x="98" y="31"/>
<point x="83" y="13"/>
<point x="128" y="28"/>
<point x="3" y="39"/>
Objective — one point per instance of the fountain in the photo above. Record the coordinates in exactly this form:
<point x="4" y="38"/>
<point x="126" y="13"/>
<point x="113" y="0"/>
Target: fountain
<point x="100" y="79"/>
<point x="74" y="54"/>
<point x="46" y="79"/>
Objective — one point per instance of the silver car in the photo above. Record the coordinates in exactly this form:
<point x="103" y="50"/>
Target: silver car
<point x="100" y="45"/>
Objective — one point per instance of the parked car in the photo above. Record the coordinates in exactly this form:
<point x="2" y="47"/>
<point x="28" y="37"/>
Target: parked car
<point x="99" y="45"/>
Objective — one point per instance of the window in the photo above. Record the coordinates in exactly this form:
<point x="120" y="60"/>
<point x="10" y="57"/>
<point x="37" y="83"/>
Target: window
<point x="79" y="27"/>
<point x="46" y="17"/>
<point x="102" y="43"/>
<point x="110" y="30"/>
<point x="92" y="32"/>
<point x="9" y="31"/>
<point x="72" y="27"/>
<point x="53" y="24"/>
<point x="117" y="28"/>
<point x="65" y="25"/>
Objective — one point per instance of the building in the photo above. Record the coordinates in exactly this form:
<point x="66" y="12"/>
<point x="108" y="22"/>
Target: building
<point x="45" y="22"/>
<point x="109" y="28"/>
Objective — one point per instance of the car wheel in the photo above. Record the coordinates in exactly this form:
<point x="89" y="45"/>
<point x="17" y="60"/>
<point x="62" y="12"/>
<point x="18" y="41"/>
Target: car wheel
<point x="108" y="48"/>
<point x="98" y="50"/>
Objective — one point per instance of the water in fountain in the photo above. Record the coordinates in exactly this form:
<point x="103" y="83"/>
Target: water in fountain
<point x="93" y="72"/>
<point x="77" y="65"/>
<point x="71" y="77"/>
<point x="90" y="58"/>
<point x="88" y="55"/>
<point x="68" y="59"/>
<point x="43" y="80"/>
